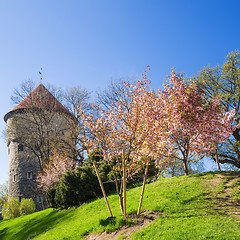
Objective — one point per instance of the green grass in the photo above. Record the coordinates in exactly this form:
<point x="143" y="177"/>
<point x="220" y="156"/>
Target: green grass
<point x="194" y="207"/>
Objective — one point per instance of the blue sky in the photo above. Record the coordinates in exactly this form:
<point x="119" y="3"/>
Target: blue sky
<point x="88" y="43"/>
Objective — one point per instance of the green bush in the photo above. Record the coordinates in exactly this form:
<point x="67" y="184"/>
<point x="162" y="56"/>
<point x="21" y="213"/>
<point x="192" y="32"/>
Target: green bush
<point x="104" y="170"/>
<point x="11" y="209"/>
<point x="51" y="196"/>
<point x="76" y="187"/>
<point x="27" y="206"/>
<point x="81" y="185"/>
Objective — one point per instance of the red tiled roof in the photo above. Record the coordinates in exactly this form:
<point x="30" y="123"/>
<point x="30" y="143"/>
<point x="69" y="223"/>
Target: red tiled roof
<point x="41" y="98"/>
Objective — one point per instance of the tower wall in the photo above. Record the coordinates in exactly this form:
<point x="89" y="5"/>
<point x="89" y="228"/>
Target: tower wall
<point x="23" y="163"/>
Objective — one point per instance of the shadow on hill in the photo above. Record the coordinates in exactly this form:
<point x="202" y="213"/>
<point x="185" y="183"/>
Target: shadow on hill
<point x="108" y="221"/>
<point x="3" y="233"/>
<point x="37" y="225"/>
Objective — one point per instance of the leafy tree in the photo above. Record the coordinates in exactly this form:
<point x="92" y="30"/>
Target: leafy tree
<point x="27" y="206"/>
<point x="223" y="82"/>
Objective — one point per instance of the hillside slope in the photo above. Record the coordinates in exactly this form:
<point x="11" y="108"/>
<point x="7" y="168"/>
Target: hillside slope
<point x="204" y="206"/>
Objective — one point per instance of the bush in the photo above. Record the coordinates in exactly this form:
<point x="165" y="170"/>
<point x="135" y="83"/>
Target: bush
<point x="27" y="206"/>
<point x="76" y="187"/>
<point x="104" y="170"/>
<point x="11" y="209"/>
<point x="81" y="185"/>
<point x="51" y="196"/>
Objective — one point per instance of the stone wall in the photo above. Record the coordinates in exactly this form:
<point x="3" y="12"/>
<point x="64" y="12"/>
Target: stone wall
<point x="23" y="163"/>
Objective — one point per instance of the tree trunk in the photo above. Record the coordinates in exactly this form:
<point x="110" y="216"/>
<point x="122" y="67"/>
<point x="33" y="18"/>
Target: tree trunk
<point x="102" y="188"/>
<point x="143" y="188"/>
<point x="185" y="166"/>
<point x="124" y="185"/>
<point x="42" y="202"/>
<point x="217" y="160"/>
<point x="121" y="203"/>
<point x="119" y="192"/>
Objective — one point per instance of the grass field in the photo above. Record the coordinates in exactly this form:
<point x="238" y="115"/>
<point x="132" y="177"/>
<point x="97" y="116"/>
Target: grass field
<point x="203" y="206"/>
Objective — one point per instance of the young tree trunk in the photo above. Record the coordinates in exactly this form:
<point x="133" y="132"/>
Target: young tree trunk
<point x="217" y="160"/>
<point x="124" y="185"/>
<point x="121" y="198"/>
<point x="42" y="202"/>
<point x="185" y="166"/>
<point x="102" y="188"/>
<point x="143" y="188"/>
<point x="119" y="192"/>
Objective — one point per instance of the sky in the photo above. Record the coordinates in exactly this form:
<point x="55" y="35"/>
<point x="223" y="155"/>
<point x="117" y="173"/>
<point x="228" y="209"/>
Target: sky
<point x="89" y="43"/>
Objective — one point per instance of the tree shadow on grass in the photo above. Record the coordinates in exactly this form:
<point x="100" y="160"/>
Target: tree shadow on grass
<point x="40" y="224"/>
<point x="108" y="221"/>
<point x="3" y="233"/>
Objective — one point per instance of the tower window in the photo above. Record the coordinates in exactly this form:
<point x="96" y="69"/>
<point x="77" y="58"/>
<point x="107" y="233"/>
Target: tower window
<point x="39" y="199"/>
<point x="20" y="199"/>
<point x="29" y="175"/>
<point x="14" y="178"/>
<point x="20" y="147"/>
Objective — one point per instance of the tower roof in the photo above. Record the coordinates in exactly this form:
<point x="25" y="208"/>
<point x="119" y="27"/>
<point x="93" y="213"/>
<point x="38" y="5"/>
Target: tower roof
<point x="39" y="98"/>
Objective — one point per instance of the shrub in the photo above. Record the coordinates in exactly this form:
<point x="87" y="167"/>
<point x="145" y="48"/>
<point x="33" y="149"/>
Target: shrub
<point x="27" y="206"/>
<point x="104" y="170"/>
<point x="81" y="185"/>
<point x="11" y="209"/>
<point x="76" y="187"/>
<point x="51" y="196"/>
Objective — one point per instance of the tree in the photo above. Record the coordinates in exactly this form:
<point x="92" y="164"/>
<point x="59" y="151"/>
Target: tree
<point x="40" y="122"/>
<point x="80" y="185"/>
<point x="112" y="94"/>
<point x="174" y="167"/>
<point x="27" y="86"/>
<point x="77" y="97"/>
<point x="122" y="127"/>
<point x="42" y="128"/>
<point x="53" y="171"/>
<point x="224" y="82"/>
<point x="189" y="125"/>
<point x="3" y="193"/>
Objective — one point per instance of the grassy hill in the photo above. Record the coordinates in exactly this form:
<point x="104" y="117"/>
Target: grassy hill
<point x="203" y="206"/>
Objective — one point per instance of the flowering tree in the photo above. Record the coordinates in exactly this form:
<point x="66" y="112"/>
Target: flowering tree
<point x="54" y="170"/>
<point x="124" y="127"/>
<point x="189" y="125"/>
<point x="174" y="124"/>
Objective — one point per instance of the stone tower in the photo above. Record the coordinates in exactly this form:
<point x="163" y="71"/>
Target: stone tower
<point x="35" y="126"/>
